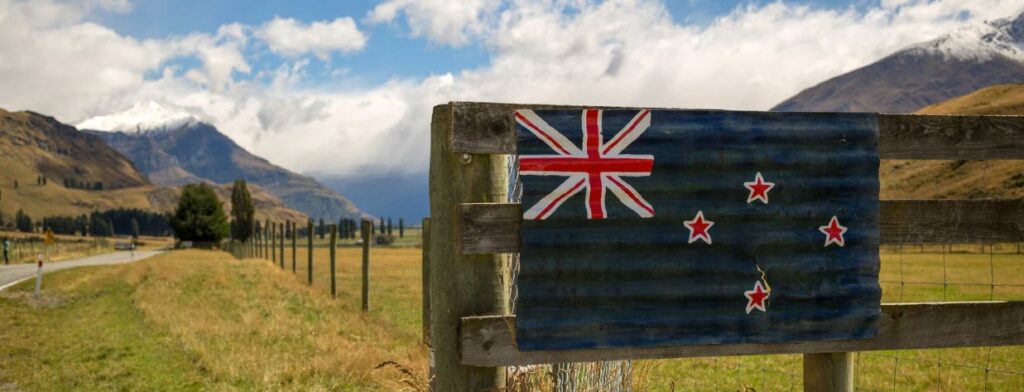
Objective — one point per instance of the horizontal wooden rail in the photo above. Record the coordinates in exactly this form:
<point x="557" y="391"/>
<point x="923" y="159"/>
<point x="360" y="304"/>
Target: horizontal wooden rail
<point x="494" y="227"/>
<point x="489" y="128"/>
<point x="489" y="341"/>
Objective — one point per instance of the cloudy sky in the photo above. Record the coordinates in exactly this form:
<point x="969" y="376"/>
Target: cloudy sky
<point x="345" y="88"/>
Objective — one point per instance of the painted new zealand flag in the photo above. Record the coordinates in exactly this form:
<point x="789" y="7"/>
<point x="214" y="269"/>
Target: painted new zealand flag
<point x="654" y="228"/>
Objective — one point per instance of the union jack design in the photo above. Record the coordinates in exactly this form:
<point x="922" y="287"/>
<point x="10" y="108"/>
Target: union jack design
<point x="595" y="168"/>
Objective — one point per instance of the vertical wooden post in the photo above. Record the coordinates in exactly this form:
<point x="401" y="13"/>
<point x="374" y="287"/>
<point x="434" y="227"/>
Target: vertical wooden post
<point x="460" y="285"/>
<point x="334" y="278"/>
<point x="273" y="242"/>
<point x="367" y="226"/>
<point x="828" y="372"/>
<point x="309" y="260"/>
<point x="425" y="237"/>
<point x="295" y="248"/>
<point x="280" y="256"/>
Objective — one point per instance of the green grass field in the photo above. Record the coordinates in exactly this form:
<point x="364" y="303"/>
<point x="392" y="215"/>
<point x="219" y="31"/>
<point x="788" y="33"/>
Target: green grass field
<point x="203" y="320"/>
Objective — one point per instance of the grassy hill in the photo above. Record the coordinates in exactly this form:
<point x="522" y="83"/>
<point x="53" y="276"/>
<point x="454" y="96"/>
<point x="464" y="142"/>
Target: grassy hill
<point x="961" y="179"/>
<point x="84" y="174"/>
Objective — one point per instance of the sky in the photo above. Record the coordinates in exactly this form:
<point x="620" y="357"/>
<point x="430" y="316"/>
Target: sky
<point x="343" y="90"/>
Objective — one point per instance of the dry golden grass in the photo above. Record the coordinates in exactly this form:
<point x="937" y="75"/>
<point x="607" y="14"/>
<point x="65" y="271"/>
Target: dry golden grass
<point x="242" y="323"/>
<point x="247" y="324"/>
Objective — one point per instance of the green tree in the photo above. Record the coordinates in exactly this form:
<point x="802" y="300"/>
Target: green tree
<point x="23" y="222"/>
<point x="243" y="212"/>
<point x="199" y="216"/>
<point x="389" y="226"/>
<point x="322" y="230"/>
<point x="401" y="228"/>
<point x="135" y="229"/>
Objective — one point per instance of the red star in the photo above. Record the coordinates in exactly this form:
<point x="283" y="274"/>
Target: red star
<point x="758" y="189"/>
<point x="833" y="232"/>
<point x="699" y="228"/>
<point x="756" y="297"/>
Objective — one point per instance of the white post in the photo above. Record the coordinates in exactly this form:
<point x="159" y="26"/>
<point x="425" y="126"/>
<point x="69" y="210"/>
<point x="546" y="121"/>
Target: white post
<point x="39" y="275"/>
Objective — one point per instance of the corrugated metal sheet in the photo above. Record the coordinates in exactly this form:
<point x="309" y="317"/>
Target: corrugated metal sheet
<point x="630" y="281"/>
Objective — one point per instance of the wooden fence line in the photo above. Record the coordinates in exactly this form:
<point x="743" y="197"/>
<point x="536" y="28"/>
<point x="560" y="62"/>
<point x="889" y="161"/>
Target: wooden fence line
<point x="489" y="128"/>
<point x="490" y="340"/>
<point x="494" y="227"/>
<point x="309" y="246"/>
<point x="295" y="245"/>
<point x="465" y="235"/>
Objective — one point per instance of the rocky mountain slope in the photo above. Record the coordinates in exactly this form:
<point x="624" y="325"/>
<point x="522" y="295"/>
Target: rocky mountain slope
<point x="961" y="179"/>
<point x="83" y="174"/>
<point x="191" y="150"/>
<point x="958" y="63"/>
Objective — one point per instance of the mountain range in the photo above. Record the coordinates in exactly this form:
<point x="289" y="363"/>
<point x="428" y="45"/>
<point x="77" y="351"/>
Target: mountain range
<point x="83" y="174"/>
<point x="172" y="149"/>
<point x="950" y="66"/>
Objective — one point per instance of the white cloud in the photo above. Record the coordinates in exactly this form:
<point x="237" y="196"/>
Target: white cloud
<point x="440" y="21"/>
<point x="291" y="38"/>
<point x="620" y="52"/>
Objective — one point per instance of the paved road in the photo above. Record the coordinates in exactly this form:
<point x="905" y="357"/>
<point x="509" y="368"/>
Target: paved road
<point x="14" y="273"/>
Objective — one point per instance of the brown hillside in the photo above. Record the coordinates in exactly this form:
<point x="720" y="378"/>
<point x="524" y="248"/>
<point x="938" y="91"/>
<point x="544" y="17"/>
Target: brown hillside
<point x="961" y="179"/>
<point x="32" y="145"/>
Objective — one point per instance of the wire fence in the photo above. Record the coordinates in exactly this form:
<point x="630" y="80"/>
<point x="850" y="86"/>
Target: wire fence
<point x="909" y="273"/>
<point x="25" y="249"/>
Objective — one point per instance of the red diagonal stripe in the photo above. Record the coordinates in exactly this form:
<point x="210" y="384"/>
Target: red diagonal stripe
<point x="558" y="199"/>
<point x="623" y="135"/>
<point x="631" y="195"/>
<point x="542" y="133"/>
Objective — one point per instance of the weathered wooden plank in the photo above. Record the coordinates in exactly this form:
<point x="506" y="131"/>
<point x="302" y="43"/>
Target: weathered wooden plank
<point x="489" y="128"/>
<point x="489" y="341"/>
<point x="904" y="136"/>
<point x="494" y="227"/>
<point x="485" y="227"/>
<point x="460" y="285"/>
<point x="951" y="221"/>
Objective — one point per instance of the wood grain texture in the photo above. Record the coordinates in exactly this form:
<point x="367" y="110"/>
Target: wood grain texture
<point x="903" y="136"/>
<point x="951" y="221"/>
<point x="490" y="340"/>
<point x="489" y="128"/>
<point x="460" y="285"/>
<point x="425" y="238"/>
<point x="484" y="227"/>
<point x="494" y="227"/>
<point x="828" y="372"/>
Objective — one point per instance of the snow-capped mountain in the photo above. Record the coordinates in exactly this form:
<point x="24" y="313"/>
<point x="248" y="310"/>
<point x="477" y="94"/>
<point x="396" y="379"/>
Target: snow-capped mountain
<point x="174" y="147"/>
<point x="952" y="65"/>
<point x="143" y="117"/>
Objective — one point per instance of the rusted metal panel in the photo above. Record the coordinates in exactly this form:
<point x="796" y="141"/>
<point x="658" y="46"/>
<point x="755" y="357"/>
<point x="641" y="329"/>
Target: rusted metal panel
<point x="647" y="228"/>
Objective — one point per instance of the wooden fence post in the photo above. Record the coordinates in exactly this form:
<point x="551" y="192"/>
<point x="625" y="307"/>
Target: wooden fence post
<point x="273" y="242"/>
<point x="425" y="237"/>
<point x="334" y="278"/>
<point x="280" y="256"/>
<point x="367" y="225"/>
<point x="828" y="372"/>
<point x="309" y="260"/>
<point x="295" y="229"/>
<point x="461" y="285"/>
<point x="266" y="239"/>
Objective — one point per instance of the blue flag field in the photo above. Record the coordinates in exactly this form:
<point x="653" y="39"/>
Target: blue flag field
<point x="672" y="227"/>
